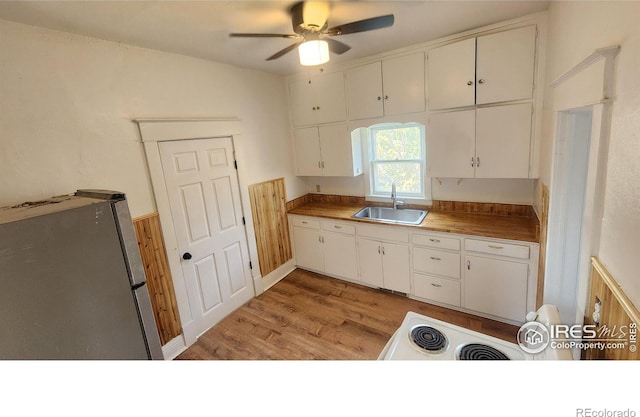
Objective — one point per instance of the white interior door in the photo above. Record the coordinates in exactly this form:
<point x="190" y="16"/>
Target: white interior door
<point x="204" y="197"/>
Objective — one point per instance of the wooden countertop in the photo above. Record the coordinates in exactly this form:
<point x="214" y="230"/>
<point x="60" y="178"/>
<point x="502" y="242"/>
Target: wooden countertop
<point x="488" y="225"/>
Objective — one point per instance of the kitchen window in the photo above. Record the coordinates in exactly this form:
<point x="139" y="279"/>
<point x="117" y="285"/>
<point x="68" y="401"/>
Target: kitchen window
<point x="397" y="154"/>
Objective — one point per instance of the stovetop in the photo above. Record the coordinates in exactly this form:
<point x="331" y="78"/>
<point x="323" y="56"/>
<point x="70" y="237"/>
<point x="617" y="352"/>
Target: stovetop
<point x="446" y="341"/>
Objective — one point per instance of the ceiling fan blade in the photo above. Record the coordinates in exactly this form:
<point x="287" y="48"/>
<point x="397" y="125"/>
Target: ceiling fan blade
<point x="337" y="47"/>
<point x="262" y="35"/>
<point x="284" y="51"/>
<point x="362" y="25"/>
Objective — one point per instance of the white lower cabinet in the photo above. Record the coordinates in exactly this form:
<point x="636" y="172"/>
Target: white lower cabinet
<point x="320" y="249"/>
<point x="495" y="278"/>
<point x="385" y="264"/>
<point x="496" y="287"/>
<point x="441" y="290"/>
<point x="308" y="245"/>
<point x="340" y="255"/>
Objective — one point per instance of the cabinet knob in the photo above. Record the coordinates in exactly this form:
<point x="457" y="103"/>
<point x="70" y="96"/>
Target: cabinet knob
<point x="469" y="82"/>
<point x="386" y="97"/>
<point x="473" y="162"/>
<point x="379" y="98"/>
<point x="481" y="81"/>
<point x="186" y="256"/>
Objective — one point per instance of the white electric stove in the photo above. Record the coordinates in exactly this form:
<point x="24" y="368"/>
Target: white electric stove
<point x="424" y="338"/>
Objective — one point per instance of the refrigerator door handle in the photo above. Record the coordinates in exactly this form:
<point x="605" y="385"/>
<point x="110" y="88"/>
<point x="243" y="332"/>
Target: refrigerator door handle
<point x="138" y="285"/>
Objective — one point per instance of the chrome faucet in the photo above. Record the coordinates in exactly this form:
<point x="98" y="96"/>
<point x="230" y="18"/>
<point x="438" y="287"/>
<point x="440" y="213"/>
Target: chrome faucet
<point x="394" y="196"/>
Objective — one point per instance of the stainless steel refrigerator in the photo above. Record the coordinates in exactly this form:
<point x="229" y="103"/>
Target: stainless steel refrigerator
<point x="72" y="283"/>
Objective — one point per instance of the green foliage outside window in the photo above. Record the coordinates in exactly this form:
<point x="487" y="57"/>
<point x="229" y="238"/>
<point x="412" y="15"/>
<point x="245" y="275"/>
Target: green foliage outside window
<point x="397" y="155"/>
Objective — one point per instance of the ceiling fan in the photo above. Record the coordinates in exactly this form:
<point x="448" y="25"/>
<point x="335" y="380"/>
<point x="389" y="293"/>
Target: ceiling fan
<point x="310" y="27"/>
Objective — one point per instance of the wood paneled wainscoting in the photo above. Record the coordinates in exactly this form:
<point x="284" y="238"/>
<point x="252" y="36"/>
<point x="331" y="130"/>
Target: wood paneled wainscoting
<point x="156" y="269"/>
<point x="618" y="320"/>
<point x="271" y="226"/>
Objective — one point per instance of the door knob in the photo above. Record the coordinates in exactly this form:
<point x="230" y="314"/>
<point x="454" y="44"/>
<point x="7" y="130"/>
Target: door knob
<point x="186" y="256"/>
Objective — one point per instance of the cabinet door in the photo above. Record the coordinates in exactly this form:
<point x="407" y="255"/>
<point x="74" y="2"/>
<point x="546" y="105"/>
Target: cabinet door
<point x="307" y="149"/>
<point x="364" y="91"/>
<point x="403" y="84"/>
<point x="505" y="65"/>
<point x="329" y="98"/>
<point x="395" y="266"/>
<point x="451" y="75"/>
<point x="370" y="259"/>
<point x="503" y="141"/>
<point x="496" y="287"/>
<point x="451" y="144"/>
<point x="302" y="101"/>
<point x="336" y="151"/>
<point x="308" y="248"/>
<point x="340" y="255"/>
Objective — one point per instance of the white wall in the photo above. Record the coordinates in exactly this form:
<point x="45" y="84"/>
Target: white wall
<point x="576" y="29"/>
<point x="67" y="101"/>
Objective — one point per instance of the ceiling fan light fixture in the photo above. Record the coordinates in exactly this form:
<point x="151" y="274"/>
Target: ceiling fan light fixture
<point x="313" y="52"/>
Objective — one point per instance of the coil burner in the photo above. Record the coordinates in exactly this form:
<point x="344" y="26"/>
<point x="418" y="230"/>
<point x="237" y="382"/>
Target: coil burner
<point x="478" y="352"/>
<point x="429" y="339"/>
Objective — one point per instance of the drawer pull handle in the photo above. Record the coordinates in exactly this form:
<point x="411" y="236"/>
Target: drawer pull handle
<point x="435" y="240"/>
<point x="304" y="222"/>
<point x="496" y="247"/>
<point x="436" y="285"/>
<point x="337" y="227"/>
<point x="435" y="258"/>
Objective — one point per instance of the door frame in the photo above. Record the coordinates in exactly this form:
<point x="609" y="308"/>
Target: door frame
<point x="588" y="86"/>
<point x="569" y="138"/>
<point x="152" y="132"/>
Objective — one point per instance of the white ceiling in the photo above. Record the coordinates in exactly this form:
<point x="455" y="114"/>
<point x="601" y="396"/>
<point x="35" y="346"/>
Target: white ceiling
<point x="201" y="28"/>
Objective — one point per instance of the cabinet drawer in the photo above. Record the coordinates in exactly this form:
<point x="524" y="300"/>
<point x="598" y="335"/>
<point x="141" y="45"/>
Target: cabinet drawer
<point x="436" y="262"/>
<point x="437" y="289"/>
<point x="305" y="222"/>
<point x="389" y="233"/>
<point x="497" y="248"/>
<point x="339" y="227"/>
<point x="435" y="241"/>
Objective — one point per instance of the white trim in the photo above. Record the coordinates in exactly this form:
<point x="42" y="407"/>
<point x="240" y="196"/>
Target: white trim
<point x="157" y="130"/>
<point x="597" y="55"/>
<point x="154" y="131"/>
<point x="173" y="348"/>
<point x="600" y="109"/>
<point x="262" y="284"/>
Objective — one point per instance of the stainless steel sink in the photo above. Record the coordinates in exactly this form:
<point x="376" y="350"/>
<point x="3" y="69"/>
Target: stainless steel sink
<point x="386" y="214"/>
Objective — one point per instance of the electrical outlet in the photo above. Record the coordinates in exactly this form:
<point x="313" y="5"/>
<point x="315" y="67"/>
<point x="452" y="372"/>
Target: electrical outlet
<point x="317" y="188"/>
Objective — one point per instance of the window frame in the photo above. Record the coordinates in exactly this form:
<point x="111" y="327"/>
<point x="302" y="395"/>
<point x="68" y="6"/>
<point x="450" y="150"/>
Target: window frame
<point x="424" y="196"/>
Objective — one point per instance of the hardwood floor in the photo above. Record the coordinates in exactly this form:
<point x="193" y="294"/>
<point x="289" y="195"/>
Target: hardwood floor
<point x="311" y="316"/>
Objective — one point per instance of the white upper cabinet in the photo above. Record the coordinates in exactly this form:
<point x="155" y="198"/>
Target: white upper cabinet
<point x="505" y="65"/>
<point x="390" y="87"/>
<point x="317" y="100"/>
<point x="487" y="69"/>
<point x="488" y="142"/>
<point x="327" y="150"/>
<point x="451" y="144"/>
<point x="452" y="75"/>
<point x="503" y="141"/>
